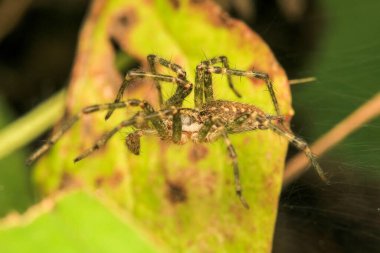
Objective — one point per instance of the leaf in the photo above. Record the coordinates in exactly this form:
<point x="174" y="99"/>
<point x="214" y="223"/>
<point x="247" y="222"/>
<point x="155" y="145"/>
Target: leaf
<point x="74" y="222"/>
<point x="184" y="195"/>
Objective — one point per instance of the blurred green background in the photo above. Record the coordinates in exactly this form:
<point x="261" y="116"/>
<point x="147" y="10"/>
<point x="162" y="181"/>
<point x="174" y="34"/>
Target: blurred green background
<point x="338" y="42"/>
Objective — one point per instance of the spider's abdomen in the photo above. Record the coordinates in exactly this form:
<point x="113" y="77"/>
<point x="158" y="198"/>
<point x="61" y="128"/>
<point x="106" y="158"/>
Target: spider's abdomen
<point x="236" y="117"/>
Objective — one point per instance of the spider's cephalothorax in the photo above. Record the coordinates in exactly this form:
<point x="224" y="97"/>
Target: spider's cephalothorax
<point x="210" y="119"/>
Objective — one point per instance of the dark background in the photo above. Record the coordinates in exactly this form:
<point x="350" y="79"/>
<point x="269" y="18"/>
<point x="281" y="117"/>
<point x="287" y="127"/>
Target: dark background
<point x="338" y="42"/>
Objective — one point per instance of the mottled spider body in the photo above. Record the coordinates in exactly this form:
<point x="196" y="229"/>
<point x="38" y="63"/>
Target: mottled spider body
<point x="237" y="117"/>
<point x="210" y="119"/>
<point x="207" y="123"/>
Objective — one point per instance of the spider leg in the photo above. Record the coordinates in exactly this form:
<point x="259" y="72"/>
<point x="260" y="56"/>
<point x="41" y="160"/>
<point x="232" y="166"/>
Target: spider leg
<point x="183" y="90"/>
<point x="264" y="122"/>
<point x="105" y="137"/>
<point x="177" y="128"/>
<point x="205" y="129"/>
<point x="153" y="60"/>
<point x="302" y="146"/>
<point x="200" y="77"/>
<point x="136" y="119"/>
<point x="231" y="152"/>
<point x="53" y="139"/>
<point x="250" y="74"/>
<point x="180" y="94"/>
<point x="203" y="81"/>
<point x="222" y="59"/>
<point x="233" y="156"/>
<point x="157" y="123"/>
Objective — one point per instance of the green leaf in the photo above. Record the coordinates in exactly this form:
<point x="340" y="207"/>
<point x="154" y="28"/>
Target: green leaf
<point x="184" y="195"/>
<point x="75" y="222"/>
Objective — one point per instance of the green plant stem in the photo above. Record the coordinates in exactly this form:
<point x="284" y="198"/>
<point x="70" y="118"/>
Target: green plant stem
<point x="28" y="127"/>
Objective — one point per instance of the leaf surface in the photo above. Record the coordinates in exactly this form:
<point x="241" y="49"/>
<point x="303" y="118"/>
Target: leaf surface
<point x="184" y="195"/>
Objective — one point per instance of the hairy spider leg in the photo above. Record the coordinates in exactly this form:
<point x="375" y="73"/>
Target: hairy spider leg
<point x="206" y="128"/>
<point x="152" y="61"/>
<point x="199" y="87"/>
<point x="157" y="123"/>
<point x="53" y="139"/>
<point x="177" y="98"/>
<point x="233" y="156"/>
<point x="296" y="141"/>
<point x="222" y="59"/>
<point x="184" y="87"/>
<point x="203" y="81"/>
<point x="250" y="74"/>
<point x="136" y="119"/>
<point x="264" y="122"/>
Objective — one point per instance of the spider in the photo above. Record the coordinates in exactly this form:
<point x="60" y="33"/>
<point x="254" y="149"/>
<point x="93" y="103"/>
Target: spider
<point x="210" y="119"/>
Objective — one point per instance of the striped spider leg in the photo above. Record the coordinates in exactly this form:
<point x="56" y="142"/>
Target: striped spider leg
<point x="204" y="95"/>
<point x="149" y="114"/>
<point x="181" y="74"/>
<point x="221" y="118"/>
<point x="179" y="95"/>
<point x="215" y="128"/>
<point x="184" y="88"/>
<point x="203" y="81"/>
<point x="206" y="68"/>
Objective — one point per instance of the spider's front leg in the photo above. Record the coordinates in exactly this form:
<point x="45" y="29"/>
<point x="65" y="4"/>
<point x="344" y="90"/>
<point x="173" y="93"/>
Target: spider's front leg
<point x="184" y="87"/>
<point x="251" y="74"/>
<point x="203" y="81"/>
<point x="153" y="60"/>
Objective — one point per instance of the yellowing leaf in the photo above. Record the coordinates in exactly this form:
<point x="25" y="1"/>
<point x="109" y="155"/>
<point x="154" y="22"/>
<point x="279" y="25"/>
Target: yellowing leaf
<point x="183" y="194"/>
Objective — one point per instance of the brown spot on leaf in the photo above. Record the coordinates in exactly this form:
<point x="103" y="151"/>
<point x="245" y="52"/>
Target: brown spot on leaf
<point x="99" y="181"/>
<point x="176" y="192"/>
<point x="197" y="153"/>
<point x="197" y="1"/>
<point x="225" y="19"/>
<point x="113" y="180"/>
<point x="175" y="3"/>
<point x="123" y="20"/>
<point x="68" y="181"/>
<point x="215" y="14"/>
<point x="116" y="178"/>
<point x="120" y="26"/>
